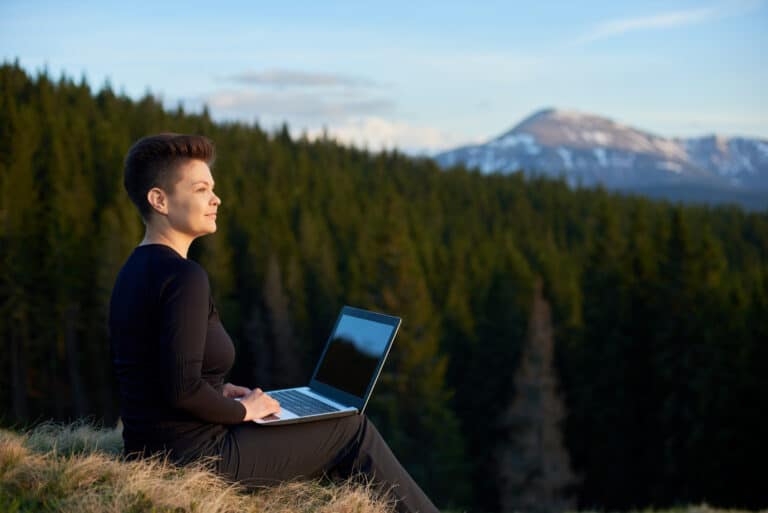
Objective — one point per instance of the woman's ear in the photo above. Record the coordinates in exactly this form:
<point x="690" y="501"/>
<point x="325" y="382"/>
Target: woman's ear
<point x="158" y="200"/>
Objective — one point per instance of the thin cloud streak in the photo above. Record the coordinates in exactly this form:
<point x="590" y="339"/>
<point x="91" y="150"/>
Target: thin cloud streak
<point x="283" y="78"/>
<point x="673" y="19"/>
<point x="668" y="20"/>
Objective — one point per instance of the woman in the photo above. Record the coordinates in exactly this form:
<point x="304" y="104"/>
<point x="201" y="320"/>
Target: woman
<point x="171" y="352"/>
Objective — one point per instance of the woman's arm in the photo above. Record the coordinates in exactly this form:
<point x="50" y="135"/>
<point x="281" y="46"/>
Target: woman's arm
<point x="184" y="304"/>
<point x="233" y="391"/>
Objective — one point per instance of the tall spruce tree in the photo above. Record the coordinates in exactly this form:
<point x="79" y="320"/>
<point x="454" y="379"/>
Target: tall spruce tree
<point x="533" y="463"/>
<point x="280" y="352"/>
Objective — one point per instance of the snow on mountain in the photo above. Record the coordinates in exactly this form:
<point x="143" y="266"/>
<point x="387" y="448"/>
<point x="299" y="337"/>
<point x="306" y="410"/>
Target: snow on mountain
<point x="744" y="161"/>
<point x="590" y="149"/>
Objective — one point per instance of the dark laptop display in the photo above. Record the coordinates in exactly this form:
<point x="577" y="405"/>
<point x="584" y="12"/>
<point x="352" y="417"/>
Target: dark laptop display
<point x="353" y="354"/>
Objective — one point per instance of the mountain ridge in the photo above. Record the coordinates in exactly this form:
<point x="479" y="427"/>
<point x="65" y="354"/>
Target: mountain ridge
<point x="589" y="150"/>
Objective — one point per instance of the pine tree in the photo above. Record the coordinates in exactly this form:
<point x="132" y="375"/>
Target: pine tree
<point x="281" y="365"/>
<point x="534" y="467"/>
<point x="20" y="228"/>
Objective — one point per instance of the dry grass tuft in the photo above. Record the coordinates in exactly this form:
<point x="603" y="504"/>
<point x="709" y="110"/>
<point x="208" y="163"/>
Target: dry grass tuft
<point x="79" y="437"/>
<point x="78" y="468"/>
<point x="347" y="497"/>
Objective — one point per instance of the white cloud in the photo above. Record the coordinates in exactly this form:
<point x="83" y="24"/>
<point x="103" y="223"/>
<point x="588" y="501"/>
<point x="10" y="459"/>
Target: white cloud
<point x="300" y="98"/>
<point x="672" y="19"/>
<point x="351" y="117"/>
<point x="377" y="133"/>
<point x="306" y="107"/>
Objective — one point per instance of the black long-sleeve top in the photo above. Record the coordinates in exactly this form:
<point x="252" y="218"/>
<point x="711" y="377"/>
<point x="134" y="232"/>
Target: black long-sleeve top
<point x="170" y="354"/>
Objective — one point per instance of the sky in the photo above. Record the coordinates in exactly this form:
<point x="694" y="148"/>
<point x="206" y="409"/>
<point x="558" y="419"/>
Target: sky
<point x="422" y="76"/>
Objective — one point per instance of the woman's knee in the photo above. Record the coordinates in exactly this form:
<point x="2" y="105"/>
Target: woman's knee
<point x="352" y="424"/>
<point x="366" y="437"/>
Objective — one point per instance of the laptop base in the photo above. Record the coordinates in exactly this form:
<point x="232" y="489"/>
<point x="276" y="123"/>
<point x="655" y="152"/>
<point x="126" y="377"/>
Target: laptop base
<point x="286" y="416"/>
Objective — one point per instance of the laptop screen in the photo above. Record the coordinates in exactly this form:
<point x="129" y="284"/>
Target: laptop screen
<point x="353" y="354"/>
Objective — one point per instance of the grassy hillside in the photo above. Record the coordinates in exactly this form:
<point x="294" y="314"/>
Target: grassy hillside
<point x="76" y="468"/>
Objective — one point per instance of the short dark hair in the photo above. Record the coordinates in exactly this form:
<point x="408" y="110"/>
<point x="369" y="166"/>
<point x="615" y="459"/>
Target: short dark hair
<point x="153" y="161"/>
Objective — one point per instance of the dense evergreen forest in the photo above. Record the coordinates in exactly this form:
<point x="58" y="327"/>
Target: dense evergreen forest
<point x="559" y="347"/>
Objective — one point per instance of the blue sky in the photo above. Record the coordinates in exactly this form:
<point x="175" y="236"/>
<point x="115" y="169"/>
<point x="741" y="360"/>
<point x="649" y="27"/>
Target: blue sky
<point x="421" y="76"/>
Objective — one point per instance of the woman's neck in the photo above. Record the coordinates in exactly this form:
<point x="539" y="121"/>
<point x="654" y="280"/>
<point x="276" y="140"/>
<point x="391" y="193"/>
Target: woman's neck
<point x="177" y="242"/>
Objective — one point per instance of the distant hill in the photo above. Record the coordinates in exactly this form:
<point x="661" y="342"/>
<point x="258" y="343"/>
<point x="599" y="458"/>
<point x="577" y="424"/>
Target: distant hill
<point x="589" y="150"/>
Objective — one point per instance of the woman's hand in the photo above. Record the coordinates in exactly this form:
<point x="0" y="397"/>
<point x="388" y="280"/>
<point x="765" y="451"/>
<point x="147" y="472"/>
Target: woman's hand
<point x="259" y="405"/>
<point x="231" y="391"/>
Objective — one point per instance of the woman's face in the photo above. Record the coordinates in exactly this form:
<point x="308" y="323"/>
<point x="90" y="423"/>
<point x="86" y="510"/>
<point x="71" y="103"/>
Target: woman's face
<point x="192" y="205"/>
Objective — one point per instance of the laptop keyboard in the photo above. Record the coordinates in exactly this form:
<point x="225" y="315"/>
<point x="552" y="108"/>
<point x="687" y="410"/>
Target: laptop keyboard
<point x="301" y="404"/>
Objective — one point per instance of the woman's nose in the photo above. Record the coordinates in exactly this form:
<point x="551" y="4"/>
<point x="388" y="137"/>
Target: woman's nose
<point x="216" y="199"/>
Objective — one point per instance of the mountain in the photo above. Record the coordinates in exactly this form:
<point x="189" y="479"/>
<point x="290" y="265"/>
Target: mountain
<point x="587" y="149"/>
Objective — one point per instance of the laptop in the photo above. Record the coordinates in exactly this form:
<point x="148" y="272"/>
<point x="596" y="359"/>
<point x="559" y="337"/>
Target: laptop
<point x="348" y="369"/>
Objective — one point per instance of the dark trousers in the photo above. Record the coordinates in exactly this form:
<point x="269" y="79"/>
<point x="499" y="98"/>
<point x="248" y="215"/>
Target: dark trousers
<point x="258" y="455"/>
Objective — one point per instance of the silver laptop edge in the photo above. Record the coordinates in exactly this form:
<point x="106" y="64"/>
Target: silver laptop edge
<point x="378" y="372"/>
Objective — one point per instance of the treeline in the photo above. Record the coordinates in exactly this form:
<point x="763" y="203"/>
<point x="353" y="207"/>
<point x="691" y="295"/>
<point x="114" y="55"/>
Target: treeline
<point x="657" y="314"/>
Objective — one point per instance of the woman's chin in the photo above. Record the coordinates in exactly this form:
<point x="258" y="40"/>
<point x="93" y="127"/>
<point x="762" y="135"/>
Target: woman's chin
<point x="205" y="231"/>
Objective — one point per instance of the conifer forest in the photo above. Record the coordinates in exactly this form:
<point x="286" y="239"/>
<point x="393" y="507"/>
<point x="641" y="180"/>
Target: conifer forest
<point x="560" y="348"/>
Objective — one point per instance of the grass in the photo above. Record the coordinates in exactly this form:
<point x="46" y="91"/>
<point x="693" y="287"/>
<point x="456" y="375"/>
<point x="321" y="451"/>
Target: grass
<point x="79" y="468"/>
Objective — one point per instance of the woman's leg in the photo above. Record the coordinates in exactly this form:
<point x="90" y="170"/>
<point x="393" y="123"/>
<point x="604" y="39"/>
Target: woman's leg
<point x="260" y="455"/>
